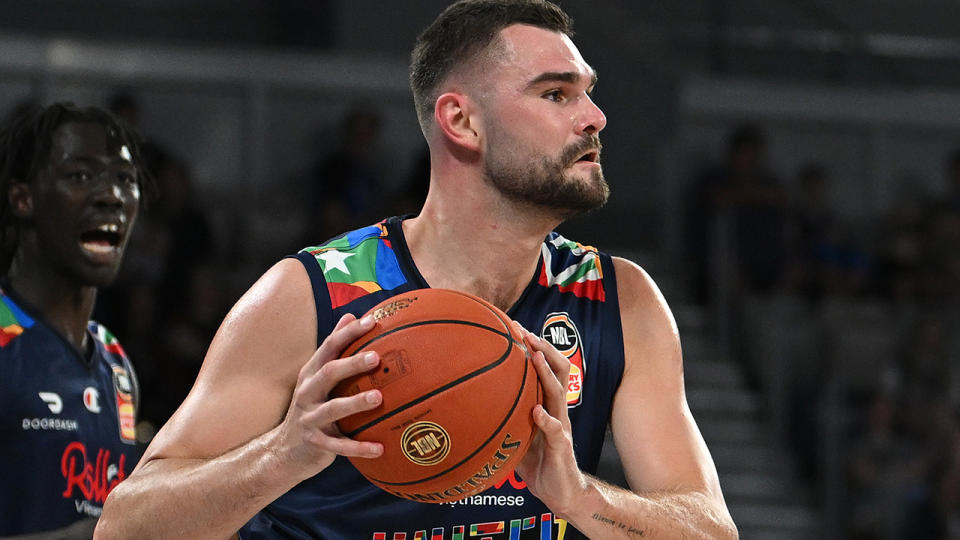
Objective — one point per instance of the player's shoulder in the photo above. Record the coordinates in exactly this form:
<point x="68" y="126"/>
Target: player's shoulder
<point x="642" y="305"/>
<point x="633" y="282"/>
<point x="567" y="248"/>
<point x="276" y="294"/>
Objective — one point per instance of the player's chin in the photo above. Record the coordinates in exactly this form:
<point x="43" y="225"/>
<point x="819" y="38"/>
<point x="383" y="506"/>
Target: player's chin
<point x="98" y="276"/>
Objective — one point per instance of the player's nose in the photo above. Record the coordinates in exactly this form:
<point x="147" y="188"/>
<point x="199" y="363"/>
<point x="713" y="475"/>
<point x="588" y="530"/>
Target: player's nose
<point x="592" y="120"/>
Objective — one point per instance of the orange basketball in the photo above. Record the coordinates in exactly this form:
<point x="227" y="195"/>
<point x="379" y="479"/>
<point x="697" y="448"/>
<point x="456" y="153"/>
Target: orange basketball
<point x="458" y="389"/>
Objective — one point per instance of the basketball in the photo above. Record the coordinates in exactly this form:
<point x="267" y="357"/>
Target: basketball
<point x="458" y="386"/>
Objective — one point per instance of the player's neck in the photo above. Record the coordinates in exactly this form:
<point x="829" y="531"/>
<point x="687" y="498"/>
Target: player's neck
<point x="63" y="304"/>
<point x="477" y="245"/>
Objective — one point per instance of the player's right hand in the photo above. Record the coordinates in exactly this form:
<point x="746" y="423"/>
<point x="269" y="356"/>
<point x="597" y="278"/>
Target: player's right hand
<point x="309" y="431"/>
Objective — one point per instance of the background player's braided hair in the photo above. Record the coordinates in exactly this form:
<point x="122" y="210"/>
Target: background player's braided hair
<point x="25" y="143"/>
<point x="462" y="31"/>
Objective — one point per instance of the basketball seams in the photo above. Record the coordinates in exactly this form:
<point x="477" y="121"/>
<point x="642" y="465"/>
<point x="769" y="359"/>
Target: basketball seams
<point x="427" y="322"/>
<point x="467" y="331"/>
<point x="490" y="307"/>
<point x="456" y="382"/>
<point x="480" y="447"/>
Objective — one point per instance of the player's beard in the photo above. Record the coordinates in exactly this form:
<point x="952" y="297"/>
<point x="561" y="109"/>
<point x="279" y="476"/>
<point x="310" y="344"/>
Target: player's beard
<point x="547" y="183"/>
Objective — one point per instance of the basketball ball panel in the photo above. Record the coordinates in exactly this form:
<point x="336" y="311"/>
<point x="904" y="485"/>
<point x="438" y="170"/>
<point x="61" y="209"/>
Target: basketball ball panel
<point x="484" y="415"/>
<point x="491" y="464"/>
<point x="412" y="366"/>
<point x="429" y="304"/>
<point x="469" y="412"/>
<point x="497" y="456"/>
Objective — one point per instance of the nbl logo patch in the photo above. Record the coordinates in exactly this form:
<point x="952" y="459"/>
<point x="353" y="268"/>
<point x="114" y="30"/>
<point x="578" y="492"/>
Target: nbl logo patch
<point x="123" y="391"/>
<point x="425" y="443"/>
<point x="562" y="333"/>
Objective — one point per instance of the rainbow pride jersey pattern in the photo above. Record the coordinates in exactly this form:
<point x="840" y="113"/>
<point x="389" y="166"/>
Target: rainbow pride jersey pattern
<point x="571" y="301"/>
<point x="67" y="423"/>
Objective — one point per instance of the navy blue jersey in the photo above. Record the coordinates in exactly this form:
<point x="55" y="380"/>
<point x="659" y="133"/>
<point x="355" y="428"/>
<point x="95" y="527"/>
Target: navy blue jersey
<point x="66" y="422"/>
<point x="571" y="301"/>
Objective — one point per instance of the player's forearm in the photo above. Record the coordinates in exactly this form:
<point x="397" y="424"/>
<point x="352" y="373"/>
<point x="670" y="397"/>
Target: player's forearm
<point x="196" y="498"/>
<point x="607" y="511"/>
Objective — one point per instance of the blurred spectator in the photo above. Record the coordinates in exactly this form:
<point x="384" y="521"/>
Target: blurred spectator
<point x="902" y="461"/>
<point x="346" y="184"/>
<point x="925" y="365"/>
<point x="903" y="266"/>
<point x="876" y="458"/>
<point x="190" y="236"/>
<point x="814" y="222"/>
<point x="931" y="510"/>
<point x="943" y="235"/>
<point x="829" y="255"/>
<point x="743" y="191"/>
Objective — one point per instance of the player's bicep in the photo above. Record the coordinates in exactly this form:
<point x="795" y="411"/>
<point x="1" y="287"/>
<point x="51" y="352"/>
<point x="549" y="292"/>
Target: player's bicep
<point x="660" y="446"/>
<point x="251" y="367"/>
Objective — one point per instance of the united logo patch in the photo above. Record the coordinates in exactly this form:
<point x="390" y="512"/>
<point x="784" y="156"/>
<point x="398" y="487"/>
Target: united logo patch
<point x="562" y="333"/>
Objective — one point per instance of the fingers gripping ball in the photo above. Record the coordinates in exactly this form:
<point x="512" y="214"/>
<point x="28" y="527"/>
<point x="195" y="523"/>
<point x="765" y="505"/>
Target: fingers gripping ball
<point x="458" y="389"/>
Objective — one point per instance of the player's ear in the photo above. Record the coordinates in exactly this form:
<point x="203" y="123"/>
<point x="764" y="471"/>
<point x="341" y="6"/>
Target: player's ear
<point x="20" y="199"/>
<point x="455" y="115"/>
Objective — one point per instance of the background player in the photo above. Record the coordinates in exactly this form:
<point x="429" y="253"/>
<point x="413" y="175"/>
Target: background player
<point x="72" y="185"/>
<point x="503" y="98"/>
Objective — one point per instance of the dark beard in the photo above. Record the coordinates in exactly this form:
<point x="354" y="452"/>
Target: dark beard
<point x="542" y="184"/>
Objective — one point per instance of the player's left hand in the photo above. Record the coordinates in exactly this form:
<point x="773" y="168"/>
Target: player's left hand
<point x="550" y="466"/>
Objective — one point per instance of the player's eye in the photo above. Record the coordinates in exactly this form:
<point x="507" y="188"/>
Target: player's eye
<point x="555" y="95"/>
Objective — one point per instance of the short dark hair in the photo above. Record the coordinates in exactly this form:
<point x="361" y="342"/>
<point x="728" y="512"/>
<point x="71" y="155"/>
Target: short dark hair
<point x="25" y="142"/>
<point x="463" y="30"/>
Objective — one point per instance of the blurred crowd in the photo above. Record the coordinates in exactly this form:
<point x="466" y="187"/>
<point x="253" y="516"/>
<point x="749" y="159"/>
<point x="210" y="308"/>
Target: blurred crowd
<point x="855" y="325"/>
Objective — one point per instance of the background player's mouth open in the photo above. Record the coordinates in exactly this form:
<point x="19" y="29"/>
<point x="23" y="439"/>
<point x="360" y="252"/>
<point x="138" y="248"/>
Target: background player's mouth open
<point x="104" y="239"/>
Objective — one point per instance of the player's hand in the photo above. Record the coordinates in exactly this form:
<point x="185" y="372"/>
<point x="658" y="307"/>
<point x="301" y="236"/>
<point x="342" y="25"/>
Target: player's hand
<point x="309" y="431"/>
<point x="550" y="466"/>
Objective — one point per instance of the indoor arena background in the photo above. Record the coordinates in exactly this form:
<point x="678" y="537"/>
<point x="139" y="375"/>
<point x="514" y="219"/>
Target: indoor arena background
<point x="788" y="171"/>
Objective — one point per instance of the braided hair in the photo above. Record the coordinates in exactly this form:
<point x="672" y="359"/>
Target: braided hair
<point x="25" y="142"/>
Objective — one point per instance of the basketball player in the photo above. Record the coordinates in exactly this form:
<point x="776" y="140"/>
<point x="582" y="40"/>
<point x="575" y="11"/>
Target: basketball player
<point x="503" y="97"/>
<point x="68" y="394"/>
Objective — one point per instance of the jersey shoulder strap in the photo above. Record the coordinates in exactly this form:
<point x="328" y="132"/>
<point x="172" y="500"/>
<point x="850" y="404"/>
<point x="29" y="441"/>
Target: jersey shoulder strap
<point x="572" y="267"/>
<point x="13" y="320"/>
<point x="349" y="267"/>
